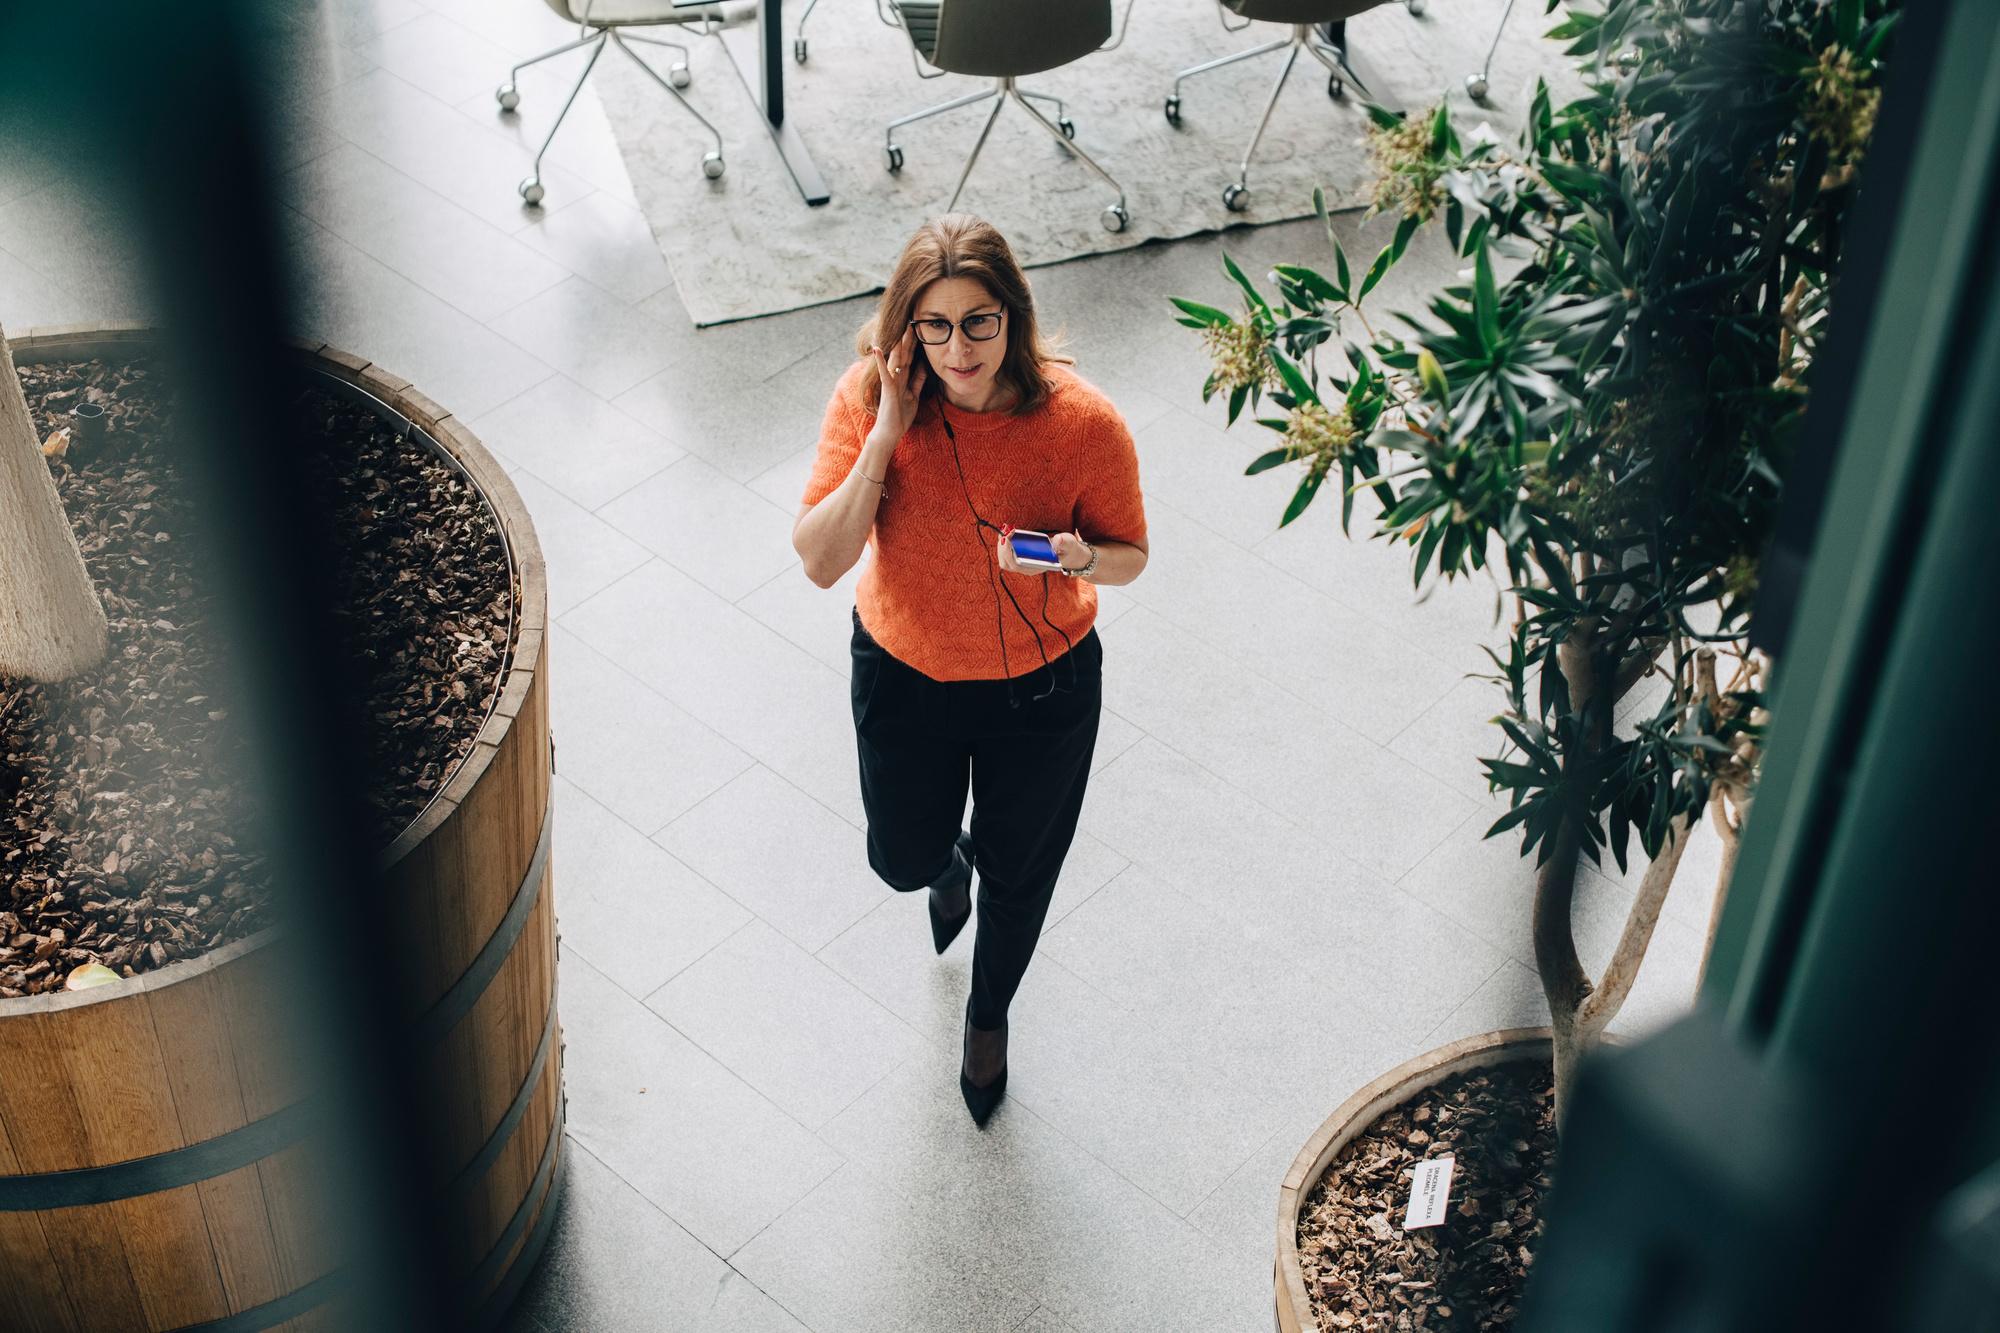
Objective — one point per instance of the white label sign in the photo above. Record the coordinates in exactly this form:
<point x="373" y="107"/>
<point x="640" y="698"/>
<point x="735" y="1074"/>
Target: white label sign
<point x="1429" y="1193"/>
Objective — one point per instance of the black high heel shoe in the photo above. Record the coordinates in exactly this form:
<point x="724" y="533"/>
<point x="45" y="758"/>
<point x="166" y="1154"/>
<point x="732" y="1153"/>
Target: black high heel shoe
<point x="956" y="887"/>
<point x="980" y="1099"/>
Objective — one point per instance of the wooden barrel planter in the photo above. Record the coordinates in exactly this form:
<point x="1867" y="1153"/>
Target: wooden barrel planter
<point x="1356" y="1114"/>
<point x="156" y="1161"/>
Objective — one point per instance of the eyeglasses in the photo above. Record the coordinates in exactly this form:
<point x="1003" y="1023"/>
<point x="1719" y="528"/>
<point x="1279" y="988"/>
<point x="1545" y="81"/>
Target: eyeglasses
<point x="934" y="332"/>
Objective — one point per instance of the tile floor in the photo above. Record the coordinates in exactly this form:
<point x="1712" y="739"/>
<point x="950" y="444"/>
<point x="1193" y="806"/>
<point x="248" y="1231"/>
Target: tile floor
<point x="1280" y="887"/>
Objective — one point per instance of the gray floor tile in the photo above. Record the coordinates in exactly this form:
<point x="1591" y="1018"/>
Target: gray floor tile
<point x="630" y="909"/>
<point x="298" y="136"/>
<point x="360" y="305"/>
<point x="79" y="238"/>
<point x="601" y="238"/>
<point x="585" y="148"/>
<point x="721" y="533"/>
<point x="857" y="1257"/>
<point x="788" y="1024"/>
<point x="576" y="441"/>
<point x="440" y="56"/>
<point x="27" y="163"/>
<point x="589" y="335"/>
<point x="641" y="756"/>
<point x="780" y="853"/>
<point x="1513" y="996"/>
<point x="1139" y="408"/>
<point x="1446" y="621"/>
<point x="888" y="955"/>
<point x="1197" y="468"/>
<point x="1374" y="806"/>
<point x="524" y="30"/>
<point x="310" y="57"/>
<point x="733" y="673"/>
<point x="1121" y="1083"/>
<point x="1448" y="739"/>
<point x="1241" y="1214"/>
<point x="784" y="482"/>
<point x="1213" y="844"/>
<point x="1356" y="670"/>
<point x="436" y="146"/>
<point x="819" y="620"/>
<point x="1089" y="866"/>
<point x="1115" y="736"/>
<point x="693" y="1138"/>
<point x="698" y="404"/>
<point x="1510" y="998"/>
<point x="585" y="554"/>
<point x="1482" y="883"/>
<point x="1487" y="886"/>
<point x="27" y="298"/>
<point x="1225" y="981"/>
<point x="1094" y="1249"/>
<point x="347" y="22"/>
<point x="616" y="1264"/>
<point x="457" y="257"/>
<point x="1113" y="601"/>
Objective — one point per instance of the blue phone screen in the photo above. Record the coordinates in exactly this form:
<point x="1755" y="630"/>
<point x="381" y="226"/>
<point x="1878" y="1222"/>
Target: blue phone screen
<point x="1033" y="548"/>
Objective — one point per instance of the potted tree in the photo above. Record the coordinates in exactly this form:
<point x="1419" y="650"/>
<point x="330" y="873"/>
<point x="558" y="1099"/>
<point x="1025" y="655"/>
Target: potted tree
<point x="1603" y="415"/>
<point x="159" y="1161"/>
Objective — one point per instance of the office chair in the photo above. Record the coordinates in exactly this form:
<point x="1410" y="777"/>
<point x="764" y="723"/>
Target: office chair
<point x="605" y="21"/>
<point x="1006" y="39"/>
<point x="1303" y="16"/>
<point x="1476" y="84"/>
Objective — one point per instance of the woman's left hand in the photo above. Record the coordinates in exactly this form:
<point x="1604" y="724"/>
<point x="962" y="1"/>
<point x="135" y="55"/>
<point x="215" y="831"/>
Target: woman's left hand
<point x="1070" y="551"/>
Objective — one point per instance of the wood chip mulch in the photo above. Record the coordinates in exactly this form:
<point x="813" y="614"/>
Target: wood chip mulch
<point x="1364" y="1272"/>
<point x="124" y="839"/>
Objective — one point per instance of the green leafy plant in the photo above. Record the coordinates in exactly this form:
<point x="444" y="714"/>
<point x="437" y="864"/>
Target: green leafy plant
<point x="1602" y="416"/>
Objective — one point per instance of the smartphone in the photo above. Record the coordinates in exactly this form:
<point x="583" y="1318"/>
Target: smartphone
<point x="1033" y="549"/>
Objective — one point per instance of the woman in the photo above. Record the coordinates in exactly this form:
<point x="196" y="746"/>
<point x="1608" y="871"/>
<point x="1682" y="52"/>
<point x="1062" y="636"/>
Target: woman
<point x="958" y="424"/>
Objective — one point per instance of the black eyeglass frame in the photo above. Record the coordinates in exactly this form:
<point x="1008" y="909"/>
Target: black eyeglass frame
<point x="998" y="316"/>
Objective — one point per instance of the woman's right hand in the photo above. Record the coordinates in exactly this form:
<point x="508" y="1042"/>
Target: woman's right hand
<point x="902" y="372"/>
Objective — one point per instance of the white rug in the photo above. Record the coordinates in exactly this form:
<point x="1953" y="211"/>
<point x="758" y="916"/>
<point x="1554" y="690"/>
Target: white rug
<point x="748" y="245"/>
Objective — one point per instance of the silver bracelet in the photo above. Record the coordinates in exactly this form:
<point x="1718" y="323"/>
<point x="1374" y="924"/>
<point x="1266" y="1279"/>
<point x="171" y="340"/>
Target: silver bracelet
<point x="1086" y="570"/>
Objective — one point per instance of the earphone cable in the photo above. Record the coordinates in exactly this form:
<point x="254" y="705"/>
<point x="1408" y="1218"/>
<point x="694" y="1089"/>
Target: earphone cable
<point x="993" y="582"/>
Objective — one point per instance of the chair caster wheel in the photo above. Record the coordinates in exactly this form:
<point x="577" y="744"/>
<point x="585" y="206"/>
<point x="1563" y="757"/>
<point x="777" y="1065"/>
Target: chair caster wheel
<point x="1114" y="218"/>
<point x="799" y="50"/>
<point x="1416" y="8"/>
<point x="531" y="189"/>
<point x="1235" y="198"/>
<point x="1476" y="85"/>
<point x="1067" y="126"/>
<point x="894" y="157"/>
<point x="680" y="76"/>
<point x="1335" y="88"/>
<point x="1174" y="109"/>
<point x="508" y="96"/>
<point x="711" y="165"/>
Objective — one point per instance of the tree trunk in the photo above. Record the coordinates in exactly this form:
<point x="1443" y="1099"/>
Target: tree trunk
<point x="1732" y="842"/>
<point x="1564" y="982"/>
<point x="51" y="624"/>
<point x="1608" y="996"/>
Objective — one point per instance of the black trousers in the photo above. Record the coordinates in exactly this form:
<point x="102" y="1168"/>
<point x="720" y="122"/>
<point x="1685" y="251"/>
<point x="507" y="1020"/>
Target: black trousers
<point x="921" y="740"/>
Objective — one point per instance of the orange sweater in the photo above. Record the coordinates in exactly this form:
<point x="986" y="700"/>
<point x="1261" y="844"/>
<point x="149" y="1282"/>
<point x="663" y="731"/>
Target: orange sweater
<point x="1070" y="465"/>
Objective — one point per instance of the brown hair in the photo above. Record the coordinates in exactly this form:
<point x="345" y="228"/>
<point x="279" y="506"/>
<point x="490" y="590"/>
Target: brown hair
<point x="959" y="245"/>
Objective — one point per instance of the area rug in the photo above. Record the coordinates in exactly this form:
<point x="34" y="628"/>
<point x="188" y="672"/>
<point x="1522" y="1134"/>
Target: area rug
<point x="748" y="245"/>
